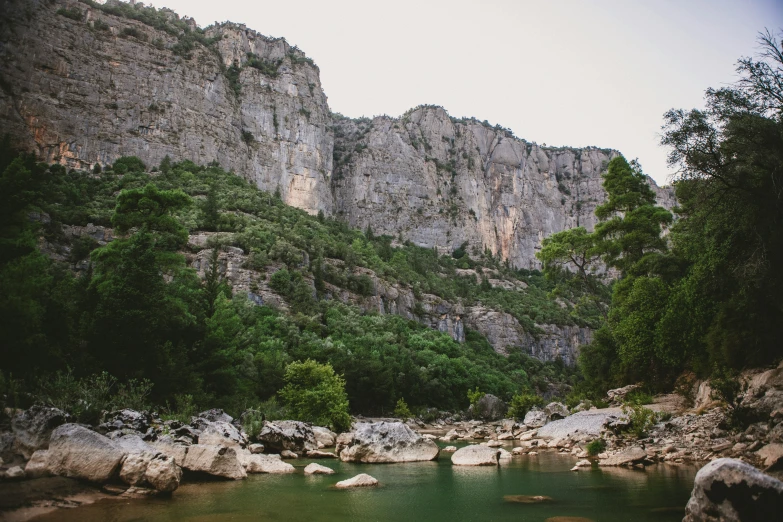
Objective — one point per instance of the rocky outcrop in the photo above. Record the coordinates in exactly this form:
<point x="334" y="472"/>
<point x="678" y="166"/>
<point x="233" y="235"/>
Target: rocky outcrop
<point x="362" y="480"/>
<point x="730" y="490"/>
<point x="33" y="428"/>
<point x="475" y="456"/>
<point x="388" y="442"/>
<point x="288" y="435"/>
<point x="76" y="452"/>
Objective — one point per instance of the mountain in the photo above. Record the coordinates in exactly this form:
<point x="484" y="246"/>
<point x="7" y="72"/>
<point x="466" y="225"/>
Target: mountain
<point x="85" y="83"/>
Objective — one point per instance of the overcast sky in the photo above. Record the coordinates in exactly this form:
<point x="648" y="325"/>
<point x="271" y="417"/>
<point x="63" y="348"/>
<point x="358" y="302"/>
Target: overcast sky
<point x="564" y="72"/>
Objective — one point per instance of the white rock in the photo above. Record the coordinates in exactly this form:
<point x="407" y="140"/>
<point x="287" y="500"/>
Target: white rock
<point x="38" y="465"/>
<point x="317" y="469"/>
<point x="449" y="449"/>
<point x="214" y="460"/>
<point x="388" y="442"/>
<point x="76" y="452"/>
<point x="260" y="463"/>
<point x="359" y="481"/>
<point x="475" y="456"/>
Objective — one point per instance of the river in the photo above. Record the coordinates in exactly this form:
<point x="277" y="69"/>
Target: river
<point x="426" y="491"/>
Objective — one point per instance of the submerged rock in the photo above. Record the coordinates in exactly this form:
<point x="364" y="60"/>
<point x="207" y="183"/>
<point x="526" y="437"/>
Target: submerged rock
<point x="528" y="499"/>
<point x="388" y="442"/>
<point x="729" y="490"/>
<point x="626" y="457"/>
<point x="475" y="456"/>
<point x="76" y="452"/>
<point x="359" y="481"/>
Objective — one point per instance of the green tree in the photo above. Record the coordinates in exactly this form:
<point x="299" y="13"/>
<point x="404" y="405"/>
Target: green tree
<point x="574" y="247"/>
<point x="315" y="393"/>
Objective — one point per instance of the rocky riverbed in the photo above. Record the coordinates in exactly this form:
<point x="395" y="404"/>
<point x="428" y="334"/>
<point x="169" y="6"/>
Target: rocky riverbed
<point x="51" y="462"/>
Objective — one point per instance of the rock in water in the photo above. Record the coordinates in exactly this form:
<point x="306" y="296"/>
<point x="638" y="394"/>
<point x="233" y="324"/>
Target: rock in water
<point x="33" y="428"/>
<point x="214" y="460"/>
<point x="324" y="436"/>
<point x="359" y="481"/>
<point x="163" y="474"/>
<point x="625" y="458"/>
<point x="265" y="464"/>
<point x="475" y="456"/>
<point x="729" y="490"/>
<point x="489" y="408"/>
<point x="76" y="452"/>
<point x="288" y="435"/>
<point x="527" y="499"/>
<point x="317" y="469"/>
<point x="388" y="442"/>
<point x="581" y="426"/>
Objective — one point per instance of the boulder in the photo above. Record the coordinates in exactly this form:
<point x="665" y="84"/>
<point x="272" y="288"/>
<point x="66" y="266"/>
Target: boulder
<point x="133" y="468"/>
<point x="475" y="456"/>
<point x="288" y="454"/>
<point x="625" y="458"/>
<point x="125" y="419"/>
<point x="33" y="428"/>
<point x="317" y="469"/>
<point x="556" y="410"/>
<point x="216" y="415"/>
<point x="14" y="473"/>
<point x="266" y="464"/>
<point x="324" y="436"/>
<point x="220" y="433"/>
<point x="218" y="461"/>
<point x="163" y="474"/>
<point x="449" y="449"/>
<point x="730" y="490"/>
<point x="494" y="444"/>
<point x="535" y="418"/>
<point x="76" y="452"/>
<point x="359" y="481"/>
<point x="617" y="395"/>
<point x="287" y="435"/>
<point x="388" y="442"/>
<point x="583" y="464"/>
<point x="316" y="454"/>
<point x="342" y="441"/>
<point x="772" y="455"/>
<point x="489" y="408"/>
<point x="579" y="426"/>
<point x="171" y="449"/>
<point x="256" y="448"/>
<point x="38" y="465"/>
<point x="503" y="454"/>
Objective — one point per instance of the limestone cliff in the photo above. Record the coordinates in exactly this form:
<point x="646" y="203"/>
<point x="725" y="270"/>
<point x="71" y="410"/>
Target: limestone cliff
<point x="441" y="182"/>
<point x="81" y="86"/>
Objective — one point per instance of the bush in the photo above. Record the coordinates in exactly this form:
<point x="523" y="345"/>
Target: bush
<point x="638" y="398"/>
<point x="595" y="447"/>
<point x="641" y="419"/>
<point x="72" y="13"/>
<point x="316" y="394"/>
<point x="475" y="395"/>
<point x="401" y="410"/>
<point x="253" y="423"/>
<point x="184" y="408"/>
<point x="522" y="403"/>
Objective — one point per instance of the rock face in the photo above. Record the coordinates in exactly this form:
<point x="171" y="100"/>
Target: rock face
<point x="76" y="452"/>
<point x="489" y="408"/>
<point x="288" y="435"/>
<point x="214" y="460"/>
<point x="730" y="490"/>
<point x="475" y="456"/>
<point x="388" y="442"/>
<point x="33" y="428"/>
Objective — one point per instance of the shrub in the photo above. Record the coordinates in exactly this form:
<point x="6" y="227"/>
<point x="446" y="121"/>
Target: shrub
<point x="248" y="137"/>
<point x="134" y="32"/>
<point x="522" y="403"/>
<point x="129" y="164"/>
<point x="184" y="408"/>
<point x="640" y="419"/>
<point x="638" y="398"/>
<point x="100" y="25"/>
<point x="316" y="394"/>
<point x="253" y="423"/>
<point x="280" y="281"/>
<point x="595" y="447"/>
<point x="72" y="13"/>
<point x="475" y="395"/>
<point x="401" y="410"/>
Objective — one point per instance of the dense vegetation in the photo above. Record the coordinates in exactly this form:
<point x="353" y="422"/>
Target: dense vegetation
<point x="709" y="296"/>
<point x="133" y="308"/>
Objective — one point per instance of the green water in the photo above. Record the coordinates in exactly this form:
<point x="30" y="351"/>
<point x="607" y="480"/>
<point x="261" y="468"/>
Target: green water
<point x="428" y="491"/>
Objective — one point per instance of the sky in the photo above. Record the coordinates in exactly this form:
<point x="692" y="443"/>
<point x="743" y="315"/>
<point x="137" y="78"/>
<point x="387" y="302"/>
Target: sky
<point x="558" y="72"/>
